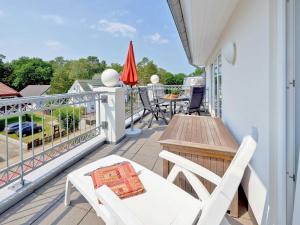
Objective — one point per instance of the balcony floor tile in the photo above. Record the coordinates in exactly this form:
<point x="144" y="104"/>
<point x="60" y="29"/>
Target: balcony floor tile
<point x="46" y="205"/>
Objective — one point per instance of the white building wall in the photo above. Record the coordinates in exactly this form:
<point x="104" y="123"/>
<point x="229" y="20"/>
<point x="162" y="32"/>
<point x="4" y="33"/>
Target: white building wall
<point x="89" y="106"/>
<point x="297" y="63"/>
<point x="245" y="85"/>
<point x="247" y="90"/>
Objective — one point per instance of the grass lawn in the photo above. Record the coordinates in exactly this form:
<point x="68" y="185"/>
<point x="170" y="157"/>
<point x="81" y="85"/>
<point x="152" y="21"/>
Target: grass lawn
<point x="37" y="118"/>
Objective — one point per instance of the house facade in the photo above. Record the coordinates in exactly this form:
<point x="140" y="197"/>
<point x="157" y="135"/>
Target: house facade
<point x="80" y="86"/>
<point x="8" y="92"/>
<point x="35" y="90"/>
<point x="250" y="50"/>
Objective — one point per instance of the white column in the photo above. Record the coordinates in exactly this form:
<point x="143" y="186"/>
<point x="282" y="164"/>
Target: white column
<point x="113" y="112"/>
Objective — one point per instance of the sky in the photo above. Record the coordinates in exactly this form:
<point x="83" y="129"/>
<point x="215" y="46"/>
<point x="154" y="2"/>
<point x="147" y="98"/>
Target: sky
<point x="80" y="28"/>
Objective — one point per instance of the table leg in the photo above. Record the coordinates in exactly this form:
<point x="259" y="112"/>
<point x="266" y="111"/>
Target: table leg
<point x="174" y="107"/>
<point x="165" y="168"/>
<point x="171" y="109"/>
<point x="234" y="207"/>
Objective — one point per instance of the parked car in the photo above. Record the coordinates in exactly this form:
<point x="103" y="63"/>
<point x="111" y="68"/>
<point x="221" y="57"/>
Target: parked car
<point x="27" y="130"/>
<point x="14" y="127"/>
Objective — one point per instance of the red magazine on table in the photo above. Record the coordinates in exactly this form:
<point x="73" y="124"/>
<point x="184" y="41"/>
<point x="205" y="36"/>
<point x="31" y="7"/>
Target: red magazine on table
<point x="121" y="178"/>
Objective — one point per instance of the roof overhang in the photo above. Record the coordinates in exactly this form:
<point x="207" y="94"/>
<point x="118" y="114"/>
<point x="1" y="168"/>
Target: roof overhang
<point x="200" y="24"/>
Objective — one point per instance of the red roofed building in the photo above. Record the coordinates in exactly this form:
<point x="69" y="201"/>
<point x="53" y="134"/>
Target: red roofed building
<point x="8" y="92"/>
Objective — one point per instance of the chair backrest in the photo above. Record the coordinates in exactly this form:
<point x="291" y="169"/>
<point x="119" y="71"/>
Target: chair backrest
<point x="197" y="95"/>
<point x="216" y="207"/>
<point x="158" y="91"/>
<point x="143" y="92"/>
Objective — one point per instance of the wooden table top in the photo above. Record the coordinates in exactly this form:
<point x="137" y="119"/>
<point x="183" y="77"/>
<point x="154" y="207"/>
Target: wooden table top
<point x="199" y="132"/>
<point x="179" y="98"/>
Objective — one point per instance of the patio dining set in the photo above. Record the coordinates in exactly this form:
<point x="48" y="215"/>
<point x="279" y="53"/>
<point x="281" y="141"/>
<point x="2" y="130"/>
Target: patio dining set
<point x="162" y="104"/>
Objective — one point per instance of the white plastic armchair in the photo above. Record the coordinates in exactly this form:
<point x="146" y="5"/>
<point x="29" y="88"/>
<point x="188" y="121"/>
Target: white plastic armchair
<point x="120" y="213"/>
<point x="189" y="169"/>
<point x="163" y="202"/>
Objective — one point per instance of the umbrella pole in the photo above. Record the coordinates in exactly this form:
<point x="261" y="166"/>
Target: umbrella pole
<point x="132" y="131"/>
<point x="131" y="108"/>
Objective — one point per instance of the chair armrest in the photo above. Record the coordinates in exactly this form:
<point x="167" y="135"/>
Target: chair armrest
<point x="191" y="166"/>
<point x="115" y="206"/>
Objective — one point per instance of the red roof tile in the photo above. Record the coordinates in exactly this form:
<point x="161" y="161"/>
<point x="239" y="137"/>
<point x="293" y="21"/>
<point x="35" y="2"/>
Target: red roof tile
<point x="6" y="91"/>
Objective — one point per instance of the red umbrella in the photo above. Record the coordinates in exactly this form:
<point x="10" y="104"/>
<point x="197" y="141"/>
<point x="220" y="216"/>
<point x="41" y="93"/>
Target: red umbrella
<point x="130" y="77"/>
<point x="130" y="74"/>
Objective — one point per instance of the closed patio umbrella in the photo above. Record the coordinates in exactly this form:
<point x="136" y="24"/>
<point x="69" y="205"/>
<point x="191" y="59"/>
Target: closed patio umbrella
<point x="130" y="77"/>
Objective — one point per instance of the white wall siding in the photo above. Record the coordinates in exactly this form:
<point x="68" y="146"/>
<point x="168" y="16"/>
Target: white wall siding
<point x="249" y="89"/>
<point x="89" y="106"/>
<point x="297" y="63"/>
<point x="246" y="84"/>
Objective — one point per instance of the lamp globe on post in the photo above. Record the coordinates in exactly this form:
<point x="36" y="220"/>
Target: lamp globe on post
<point x="110" y="78"/>
<point x="154" y="79"/>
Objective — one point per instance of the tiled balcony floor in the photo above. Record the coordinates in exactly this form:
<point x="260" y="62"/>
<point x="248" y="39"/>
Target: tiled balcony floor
<point x="46" y="204"/>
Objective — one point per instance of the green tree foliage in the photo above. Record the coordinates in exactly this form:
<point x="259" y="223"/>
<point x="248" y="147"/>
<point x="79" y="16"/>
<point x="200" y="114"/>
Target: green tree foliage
<point x="58" y="62"/>
<point x="146" y="68"/>
<point x="5" y="70"/>
<point x="68" y="117"/>
<point x="67" y="71"/>
<point x="161" y="73"/>
<point x="61" y="81"/>
<point x="169" y="79"/>
<point x="62" y="72"/>
<point x="198" y="72"/>
<point x="26" y="71"/>
<point x="179" y="78"/>
<point x="117" y="67"/>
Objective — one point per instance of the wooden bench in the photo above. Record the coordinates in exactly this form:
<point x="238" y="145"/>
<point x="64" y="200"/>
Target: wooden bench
<point x="204" y="140"/>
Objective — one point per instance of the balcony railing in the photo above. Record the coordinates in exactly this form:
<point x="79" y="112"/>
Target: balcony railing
<point x="156" y="92"/>
<point x="35" y="130"/>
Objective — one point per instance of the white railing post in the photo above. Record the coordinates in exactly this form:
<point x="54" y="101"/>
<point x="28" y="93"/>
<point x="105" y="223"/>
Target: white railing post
<point x="296" y="216"/>
<point x="111" y="113"/>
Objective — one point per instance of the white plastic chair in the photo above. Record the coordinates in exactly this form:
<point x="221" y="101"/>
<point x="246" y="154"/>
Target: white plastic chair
<point x="163" y="202"/>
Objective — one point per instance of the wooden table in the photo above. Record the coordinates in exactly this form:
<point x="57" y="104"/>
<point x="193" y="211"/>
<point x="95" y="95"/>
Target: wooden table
<point x="173" y="101"/>
<point x="204" y="140"/>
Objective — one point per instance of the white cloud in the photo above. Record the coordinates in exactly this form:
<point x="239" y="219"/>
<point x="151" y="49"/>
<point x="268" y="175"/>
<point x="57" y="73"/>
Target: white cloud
<point x="115" y="28"/>
<point x="54" y="19"/>
<point x="55" y="45"/>
<point x="156" y="38"/>
<point x="2" y="13"/>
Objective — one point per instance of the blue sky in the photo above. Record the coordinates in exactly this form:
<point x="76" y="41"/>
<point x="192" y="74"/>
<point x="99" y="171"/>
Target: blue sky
<point x="79" y="28"/>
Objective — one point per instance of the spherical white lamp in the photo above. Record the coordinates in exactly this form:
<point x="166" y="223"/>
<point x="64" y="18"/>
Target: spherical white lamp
<point x="110" y="78"/>
<point x="229" y="52"/>
<point x="154" y="79"/>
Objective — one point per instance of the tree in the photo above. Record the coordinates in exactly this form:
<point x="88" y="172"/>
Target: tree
<point x="61" y="81"/>
<point x="102" y="66"/>
<point x="5" y="70"/>
<point x="57" y="62"/>
<point x="198" y="72"/>
<point x="67" y="71"/>
<point x="95" y="65"/>
<point x="85" y="68"/>
<point x="67" y="118"/>
<point x="169" y="79"/>
<point x="179" y="78"/>
<point x="117" y="67"/>
<point x="161" y="73"/>
<point x="26" y="71"/>
<point x="146" y="68"/>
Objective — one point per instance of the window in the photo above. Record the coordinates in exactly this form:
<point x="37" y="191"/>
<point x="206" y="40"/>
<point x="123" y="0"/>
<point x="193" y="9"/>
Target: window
<point x="216" y="87"/>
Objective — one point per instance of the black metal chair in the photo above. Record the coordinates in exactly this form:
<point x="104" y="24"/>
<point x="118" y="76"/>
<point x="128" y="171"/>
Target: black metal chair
<point x="196" y="100"/>
<point x="153" y="108"/>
